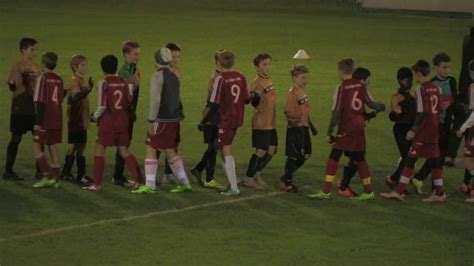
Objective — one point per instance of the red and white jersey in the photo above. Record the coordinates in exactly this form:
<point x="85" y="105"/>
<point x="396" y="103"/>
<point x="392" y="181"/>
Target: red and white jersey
<point x="350" y="99"/>
<point x="231" y="94"/>
<point x="50" y="91"/>
<point x="114" y="98"/>
<point x="428" y="97"/>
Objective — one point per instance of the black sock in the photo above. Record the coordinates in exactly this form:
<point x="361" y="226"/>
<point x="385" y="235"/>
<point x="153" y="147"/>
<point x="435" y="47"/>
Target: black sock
<point x="291" y="166"/>
<point x="68" y="163"/>
<point x="253" y="164"/>
<point x="119" y="166"/>
<point x="201" y="165"/>
<point x="211" y="165"/>
<point x="264" y="161"/>
<point x="12" y="151"/>
<point x="81" y="166"/>
<point x="168" y="170"/>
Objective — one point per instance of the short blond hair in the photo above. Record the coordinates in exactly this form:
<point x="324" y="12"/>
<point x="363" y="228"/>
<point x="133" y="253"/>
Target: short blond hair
<point x="76" y="60"/>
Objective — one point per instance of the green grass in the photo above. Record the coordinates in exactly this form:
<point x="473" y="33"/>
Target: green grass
<point x="274" y="229"/>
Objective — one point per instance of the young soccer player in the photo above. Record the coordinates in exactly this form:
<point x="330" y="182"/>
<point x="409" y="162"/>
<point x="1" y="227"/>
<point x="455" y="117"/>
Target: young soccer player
<point x="349" y="115"/>
<point x="113" y="115"/>
<point x="469" y="142"/>
<point x="48" y="99"/>
<point x="209" y="130"/>
<point x="425" y="136"/>
<point x="350" y="169"/>
<point x="228" y="98"/>
<point x="264" y="134"/>
<point x="164" y="130"/>
<point x="298" y="141"/>
<point x="21" y="83"/>
<point x="131" y="52"/>
<point x="442" y="66"/>
<point x="78" y="120"/>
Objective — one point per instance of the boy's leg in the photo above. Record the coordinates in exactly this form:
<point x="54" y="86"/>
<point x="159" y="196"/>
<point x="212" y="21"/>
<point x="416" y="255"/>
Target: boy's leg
<point x="331" y="169"/>
<point x="132" y="164"/>
<point x="40" y="159"/>
<point x="363" y="168"/>
<point x="407" y="175"/>
<point x="119" y="178"/>
<point x="229" y="164"/>
<point x="176" y="164"/>
<point x="99" y="165"/>
<point x="55" y="164"/>
<point x="211" y="161"/>
<point x="68" y="161"/>
<point x="12" y="151"/>
<point x="350" y="169"/>
<point x="151" y="166"/>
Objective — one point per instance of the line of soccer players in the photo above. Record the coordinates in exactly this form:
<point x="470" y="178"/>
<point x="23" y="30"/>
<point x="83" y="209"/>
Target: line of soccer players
<point x="421" y="130"/>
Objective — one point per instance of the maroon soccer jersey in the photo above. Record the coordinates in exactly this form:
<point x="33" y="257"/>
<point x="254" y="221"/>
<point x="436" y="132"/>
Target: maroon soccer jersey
<point x="114" y="95"/>
<point x="428" y="97"/>
<point x="350" y="99"/>
<point x="231" y="94"/>
<point x="50" y="91"/>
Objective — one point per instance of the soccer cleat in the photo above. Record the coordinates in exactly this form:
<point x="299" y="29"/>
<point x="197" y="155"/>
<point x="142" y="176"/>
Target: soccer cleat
<point x="12" y="176"/>
<point x="46" y="182"/>
<point x="181" y="188"/>
<point x="144" y="189"/>
<point x="418" y="184"/>
<point x="213" y="184"/>
<point x="249" y="182"/>
<point x="365" y="196"/>
<point x="92" y="187"/>
<point x="393" y="195"/>
<point x="320" y="195"/>
<point x="348" y="192"/>
<point x="470" y="198"/>
<point x="84" y="180"/>
<point x="466" y="189"/>
<point x="389" y="182"/>
<point x="435" y="198"/>
<point x="260" y="182"/>
<point x="123" y="182"/>
<point x="450" y="162"/>
<point x="198" y="175"/>
<point x="231" y="192"/>
<point x="289" y="188"/>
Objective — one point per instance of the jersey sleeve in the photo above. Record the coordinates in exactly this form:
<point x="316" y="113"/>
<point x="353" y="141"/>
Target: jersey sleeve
<point x="40" y="94"/>
<point x="101" y="99"/>
<point x="420" y="103"/>
<point x="245" y="91"/>
<point x="216" y="95"/>
<point x="366" y="97"/>
<point x="337" y="99"/>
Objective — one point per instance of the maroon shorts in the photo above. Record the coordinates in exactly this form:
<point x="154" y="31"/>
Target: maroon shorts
<point x="350" y="142"/>
<point x="165" y="136"/>
<point x="113" y="138"/>
<point x="469" y="144"/>
<point x="225" y="137"/>
<point x="424" y="150"/>
<point x="48" y="136"/>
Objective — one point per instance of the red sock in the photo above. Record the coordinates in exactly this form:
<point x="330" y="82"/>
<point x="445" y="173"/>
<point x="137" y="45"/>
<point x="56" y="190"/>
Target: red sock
<point x="437" y="175"/>
<point x="55" y="170"/>
<point x="364" y="173"/>
<point x="43" y="164"/>
<point x="405" y="178"/>
<point x="99" y="164"/>
<point x="331" y="170"/>
<point x="134" y="169"/>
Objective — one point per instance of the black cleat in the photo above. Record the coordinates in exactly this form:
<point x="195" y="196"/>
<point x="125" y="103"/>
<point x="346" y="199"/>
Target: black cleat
<point x="12" y="176"/>
<point x="84" y="180"/>
<point x="123" y="182"/>
<point x="198" y="175"/>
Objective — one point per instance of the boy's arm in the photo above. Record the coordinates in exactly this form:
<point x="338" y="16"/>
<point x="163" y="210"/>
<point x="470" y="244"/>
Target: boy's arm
<point x="101" y="101"/>
<point x="79" y="93"/>
<point x="213" y="102"/>
<point x="156" y="87"/>
<point x="292" y="110"/>
<point x="12" y="78"/>
<point x="40" y="106"/>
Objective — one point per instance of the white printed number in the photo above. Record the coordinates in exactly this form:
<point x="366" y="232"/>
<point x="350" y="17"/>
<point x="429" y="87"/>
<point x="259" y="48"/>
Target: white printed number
<point x="434" y="104"/>
<point x="235" y="90"/>
<point x="356" y="102"/>
<point x="55" y="95"/>
<point x="118" y="98"/>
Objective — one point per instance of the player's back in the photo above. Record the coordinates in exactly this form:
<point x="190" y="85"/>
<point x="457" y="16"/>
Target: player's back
<point x="232" y="95"/>
<point x="428" y="100"/>
<point x="50" y="91"/>
<point x="115" y="96"/>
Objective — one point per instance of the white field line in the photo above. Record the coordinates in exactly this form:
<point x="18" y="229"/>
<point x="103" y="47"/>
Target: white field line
<point x="136" y="217"/>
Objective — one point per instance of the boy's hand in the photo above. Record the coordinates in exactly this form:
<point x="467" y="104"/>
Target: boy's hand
<point x="92" y="117"/>
<point x="370" y="115"/>
<point x="331" y="139"/>
<point x="37" y="128"/>
<point x="201" y="127"/>
<point x="459" y="133"/>
<point x="411" y="135"/>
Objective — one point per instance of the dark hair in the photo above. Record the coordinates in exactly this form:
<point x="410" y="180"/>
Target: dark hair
<point x="346" y="66"/>
<point x="471" y="65"/>
<point x="173" y="46"/>
<point x="109" y="64"/>
<point x="361" y="73"/>
<point x="421" y="67"/>
<point x="261" y="57"/>
<point x="297" y="70"/>
<point x="440" y="58"/>
<point x="50" y="60"/>
<point x="128" y="46"/>
<point x="226" y="59"/>
<point x="26" y="43"/>
<point x="404" y="73"/>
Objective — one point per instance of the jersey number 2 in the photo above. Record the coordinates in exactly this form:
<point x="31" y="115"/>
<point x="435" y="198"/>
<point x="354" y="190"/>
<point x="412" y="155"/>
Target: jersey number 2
<point x="118" y="99"/>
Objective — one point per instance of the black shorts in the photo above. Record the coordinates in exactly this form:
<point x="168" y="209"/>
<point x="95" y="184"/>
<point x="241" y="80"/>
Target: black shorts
<point x="262" y="139"/>
<point x="210" y="134"/>
<point x="77" y="137"/>
<point x="298" y="142"/>
<point x="21" y="124"/>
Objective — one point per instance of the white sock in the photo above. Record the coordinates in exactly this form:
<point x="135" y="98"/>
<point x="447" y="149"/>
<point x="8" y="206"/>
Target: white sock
<point x="176" y="164"/>
<point x="230" y="170"/>
<point x="151" y="166"/>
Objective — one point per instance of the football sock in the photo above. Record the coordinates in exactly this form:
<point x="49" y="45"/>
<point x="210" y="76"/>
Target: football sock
<point x="177" y="166"/>
<point x="132" y="164"/>
<point x="55" y="170"/>
<point x="264" y="161"/>
<point x="253" y="164"/>
<point x="230" y="170"/>
<point x="12" y="151"/>
<point x="331" y="171"/>
<point x="42" y="163"/>
<point x="99" y="164"/>
<point x="437" y="176"/>
<point x="151" y="166"/>
<point x="81" y="166"/>
<point x="405" y="178"/>
<point x="211" y="165"/>
<point x="68" y="163"/>
<point x="119" y="166"/>
<point x="203" y="162"/>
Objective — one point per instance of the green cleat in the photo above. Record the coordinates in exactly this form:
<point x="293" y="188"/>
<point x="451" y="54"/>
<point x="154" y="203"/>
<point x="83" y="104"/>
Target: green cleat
<point x="46" y="182"/>
<point x="418" y="184"/>
<point x="182" y="188"/>
<point x="320" y="195"/>
<point x="144" y="189"/>
<point x="365" y="196"/>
